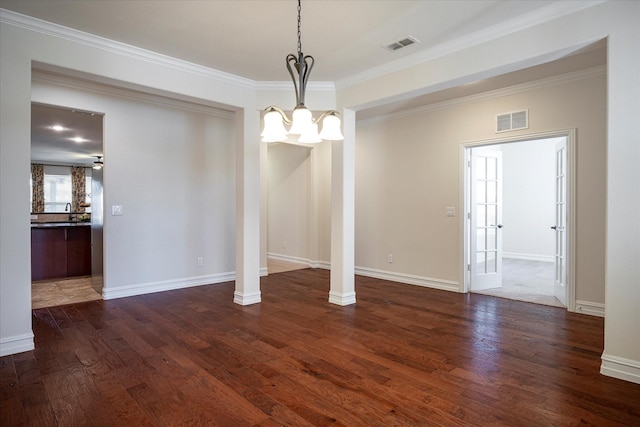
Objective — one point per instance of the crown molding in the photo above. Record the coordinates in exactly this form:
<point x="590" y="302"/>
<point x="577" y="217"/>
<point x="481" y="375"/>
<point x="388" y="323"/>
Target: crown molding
<point x="548" y="13"/>
<point x="600" y="70"/>
<point x="92" y="40"/>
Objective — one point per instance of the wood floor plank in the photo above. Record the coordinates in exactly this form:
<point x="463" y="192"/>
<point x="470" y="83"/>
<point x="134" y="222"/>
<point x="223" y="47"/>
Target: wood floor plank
<point x="402" y="356"/>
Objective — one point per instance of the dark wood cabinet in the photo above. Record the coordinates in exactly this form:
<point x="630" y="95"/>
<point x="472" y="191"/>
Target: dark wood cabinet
<point x="60" y="252"/>
<point x="78" y="251"/>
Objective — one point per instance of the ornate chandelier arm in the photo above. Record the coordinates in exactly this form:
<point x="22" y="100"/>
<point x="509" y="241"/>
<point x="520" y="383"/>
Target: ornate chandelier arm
<point x="327" y="113"/>
<point x="277" y="109"/>
<point x="289" y="121"/>
<point x="301" y="121"/>
<point x="303" y="65"/>
<point x="291" y="58"/>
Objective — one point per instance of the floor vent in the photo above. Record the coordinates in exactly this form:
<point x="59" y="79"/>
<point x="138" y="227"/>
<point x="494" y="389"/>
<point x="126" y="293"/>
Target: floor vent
<point x="512" y="121"/>
<point x="407" y="41"/>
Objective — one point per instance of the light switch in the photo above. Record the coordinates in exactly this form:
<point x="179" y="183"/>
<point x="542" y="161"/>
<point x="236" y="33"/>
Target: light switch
<point x="451" y="211"/>
<point x="116" y="210"/>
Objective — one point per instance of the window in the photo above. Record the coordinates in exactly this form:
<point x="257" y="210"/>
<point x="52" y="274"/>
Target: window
<point x="57" y="189"/>
<point x="87" y="189"/>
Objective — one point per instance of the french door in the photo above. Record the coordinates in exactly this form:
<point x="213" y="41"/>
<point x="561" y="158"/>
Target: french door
<point x="560" y="226"/>
<point x="486" y="219"/>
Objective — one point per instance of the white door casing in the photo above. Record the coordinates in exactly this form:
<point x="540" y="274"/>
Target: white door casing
<point x="468" y="232"/>
<point x="486" y="219"/>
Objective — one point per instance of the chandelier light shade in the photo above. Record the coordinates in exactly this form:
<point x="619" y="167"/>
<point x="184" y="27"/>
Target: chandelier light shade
<point x="301" y="122"/>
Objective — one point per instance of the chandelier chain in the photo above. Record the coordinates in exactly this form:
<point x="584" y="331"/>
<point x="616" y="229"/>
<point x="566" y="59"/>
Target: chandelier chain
<point x="299" y="33"/>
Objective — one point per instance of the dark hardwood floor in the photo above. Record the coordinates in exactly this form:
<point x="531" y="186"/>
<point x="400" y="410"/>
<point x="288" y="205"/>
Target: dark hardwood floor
<point x="403" y="355"/>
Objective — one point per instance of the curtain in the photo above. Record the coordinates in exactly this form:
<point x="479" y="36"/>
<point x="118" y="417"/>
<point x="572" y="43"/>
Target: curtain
<point x="37" y="179"/>
<point x="78" y="185"/>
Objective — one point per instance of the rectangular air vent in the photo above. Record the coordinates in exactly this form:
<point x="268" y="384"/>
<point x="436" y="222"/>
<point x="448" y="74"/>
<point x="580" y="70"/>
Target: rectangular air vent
<point x="399" y="44"/>
<point x="512" y="121"/>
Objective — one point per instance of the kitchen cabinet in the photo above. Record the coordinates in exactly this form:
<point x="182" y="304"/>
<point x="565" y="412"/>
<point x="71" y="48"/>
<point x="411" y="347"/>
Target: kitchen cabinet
<point x="60" y="251"/>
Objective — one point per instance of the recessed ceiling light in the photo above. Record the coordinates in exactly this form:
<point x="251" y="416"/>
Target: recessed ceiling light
<point x="58" y="128"/>
<point x="78" y="139"/>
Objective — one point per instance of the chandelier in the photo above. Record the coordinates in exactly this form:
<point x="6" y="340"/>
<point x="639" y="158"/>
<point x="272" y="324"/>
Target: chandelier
<point x="301" y="122"/>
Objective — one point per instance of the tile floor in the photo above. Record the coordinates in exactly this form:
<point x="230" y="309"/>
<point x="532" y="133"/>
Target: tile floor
<point x="51" y="293"/>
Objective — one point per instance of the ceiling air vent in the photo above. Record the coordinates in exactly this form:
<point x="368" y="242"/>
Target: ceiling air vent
<point x="512" y="121"/>
<point x="407" y="41"/>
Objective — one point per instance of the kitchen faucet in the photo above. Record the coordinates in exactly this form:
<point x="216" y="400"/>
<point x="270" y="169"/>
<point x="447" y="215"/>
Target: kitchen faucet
<point x="67" y="208"/>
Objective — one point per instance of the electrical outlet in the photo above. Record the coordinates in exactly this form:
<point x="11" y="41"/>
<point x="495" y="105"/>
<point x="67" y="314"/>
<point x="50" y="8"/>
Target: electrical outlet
<point x="116" y="210"/>
<point x="451" y="211"/>
<point x="390" y="258"/>
<point x="284" y="245"/>
<point x="199" y="261"/>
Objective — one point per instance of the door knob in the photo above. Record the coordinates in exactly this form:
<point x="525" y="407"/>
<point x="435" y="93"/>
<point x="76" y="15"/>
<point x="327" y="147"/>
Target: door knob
<point x="494" y="225"/>
<point x="553" y="227"/>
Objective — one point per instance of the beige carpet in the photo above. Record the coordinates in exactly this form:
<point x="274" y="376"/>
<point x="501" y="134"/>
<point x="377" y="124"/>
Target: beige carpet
<point x="530" y="281"/>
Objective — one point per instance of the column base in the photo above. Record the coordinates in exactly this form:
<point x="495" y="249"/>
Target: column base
<point x="247" y="299"/>
<point x="342" y="299"/>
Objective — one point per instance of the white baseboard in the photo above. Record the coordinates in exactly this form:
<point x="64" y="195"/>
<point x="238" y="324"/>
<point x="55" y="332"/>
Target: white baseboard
<point x="621" y="368"/>
<point x="320" y="264"/>
<point x="590" y="308"/>
<point x="165" y="285"/>
<point x="289" y="258"/>
<point x="16" y="344"/>
<point x="311" y="264"/>
<point x="247" y="299"/>
<point x="528" y="257"/>
<point x="264" y="271"/>
<point x="342" y="299"/>
<point x="428" y="282"/>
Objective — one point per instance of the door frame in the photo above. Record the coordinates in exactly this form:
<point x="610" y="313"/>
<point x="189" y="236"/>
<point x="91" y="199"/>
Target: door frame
<point x="465" y="218"/>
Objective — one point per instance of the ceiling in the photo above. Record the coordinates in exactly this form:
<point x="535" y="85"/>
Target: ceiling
<point x="251" y="38"/>
<point x="51" y="146"/>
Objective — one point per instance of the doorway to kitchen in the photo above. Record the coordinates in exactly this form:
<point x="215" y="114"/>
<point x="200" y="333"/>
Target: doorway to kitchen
<point x="66" y="205"/>
<point x="519" y="199"/>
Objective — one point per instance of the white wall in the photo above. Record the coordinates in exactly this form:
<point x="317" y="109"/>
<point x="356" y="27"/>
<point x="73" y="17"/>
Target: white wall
<point x="171" y="166"/>
<point x="289" y="201"/>
<point x="24" y="44"/>
<point x="409" y="170"/>
<point x="528" y="193"/>
<point x="487" y="56"/>
<point x="496" y="54"/>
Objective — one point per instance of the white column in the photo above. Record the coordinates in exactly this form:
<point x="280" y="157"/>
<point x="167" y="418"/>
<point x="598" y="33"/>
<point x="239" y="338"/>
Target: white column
<point x="247" y="208"/>
<point x="264" y="207"/>
<point x="621" y="357"/>
<point x="342" y="289"/>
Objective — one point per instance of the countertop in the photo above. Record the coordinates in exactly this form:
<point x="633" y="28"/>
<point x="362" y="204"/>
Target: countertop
<point x="60" y="224"/>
